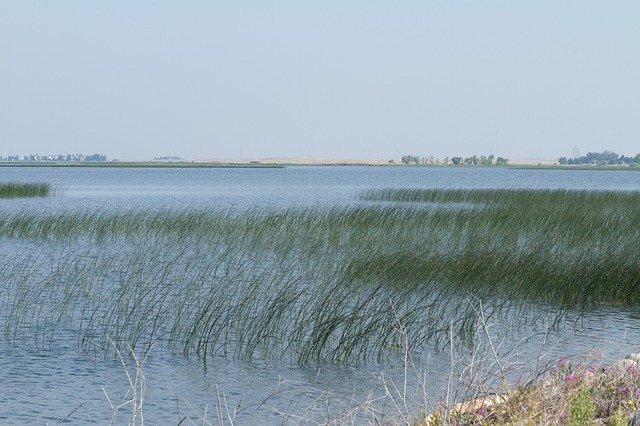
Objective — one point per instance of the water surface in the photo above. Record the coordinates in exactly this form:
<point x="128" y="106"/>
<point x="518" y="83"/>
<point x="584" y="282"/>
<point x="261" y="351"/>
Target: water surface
<point x="45" y="385"/>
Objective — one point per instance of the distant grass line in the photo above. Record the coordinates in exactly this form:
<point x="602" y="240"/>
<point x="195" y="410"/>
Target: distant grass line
<point x="574" y="167"/>
<point x="24" y="190"/>
<point x="255" y="225"/>
<point x="333" y="284"/>
<point x="513" y="197"/>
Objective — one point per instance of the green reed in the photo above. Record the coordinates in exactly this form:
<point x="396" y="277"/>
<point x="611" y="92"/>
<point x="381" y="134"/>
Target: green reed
<point x="24" y="190"/>
<point x="571" y="248"/>
<point x="336" y="284"/>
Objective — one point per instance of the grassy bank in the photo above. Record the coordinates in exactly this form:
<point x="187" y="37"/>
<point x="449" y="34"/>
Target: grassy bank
<point x="613" y="167"/>
<point x="569" y="393"/>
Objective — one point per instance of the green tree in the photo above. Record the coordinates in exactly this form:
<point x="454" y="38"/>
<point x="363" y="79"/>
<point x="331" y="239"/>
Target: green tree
<point x="472" y="160"/>
<point x="408" y="159"/>
<point x="486" y="161"/>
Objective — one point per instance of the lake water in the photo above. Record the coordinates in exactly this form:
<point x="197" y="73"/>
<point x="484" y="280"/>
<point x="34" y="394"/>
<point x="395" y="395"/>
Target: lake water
<point x="63" y="382"/>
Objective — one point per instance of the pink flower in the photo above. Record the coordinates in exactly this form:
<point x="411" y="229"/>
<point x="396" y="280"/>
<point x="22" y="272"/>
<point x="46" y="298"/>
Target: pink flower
<point x="593" y="368"/>
<point x="571" y="378"/>
<point x="563" y="416"/>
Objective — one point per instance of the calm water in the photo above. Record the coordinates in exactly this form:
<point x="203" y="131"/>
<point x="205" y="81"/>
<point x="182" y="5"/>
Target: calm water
<point x="44" y="386"/>
<point x="116" y="188"/>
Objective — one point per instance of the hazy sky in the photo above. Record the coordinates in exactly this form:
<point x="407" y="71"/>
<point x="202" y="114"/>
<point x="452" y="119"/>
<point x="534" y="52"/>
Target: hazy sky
<point x="202" y="79"/>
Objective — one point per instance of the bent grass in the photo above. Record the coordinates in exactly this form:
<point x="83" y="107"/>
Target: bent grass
<point x="320" y="284"/>
<point x="406" y="271"/>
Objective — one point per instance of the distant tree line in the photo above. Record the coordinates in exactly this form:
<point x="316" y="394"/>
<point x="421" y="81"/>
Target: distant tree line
<point x="601" y="158"/>
<point x="482" y="160"/>
<point x="168" y="158"/>
<point x="410" y="159"/>
<point x="56" y="157"/>
<point x="95" y="157"/>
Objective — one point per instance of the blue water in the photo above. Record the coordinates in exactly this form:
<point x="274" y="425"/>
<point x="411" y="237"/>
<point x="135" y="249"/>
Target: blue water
<point x="223" y="188"/>
<point x="40" y="386"/>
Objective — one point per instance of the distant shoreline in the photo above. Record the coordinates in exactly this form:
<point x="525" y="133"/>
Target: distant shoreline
<point x="144" y="164"/>
<point x="279" y="163"/>
<point x="612" y="167"/>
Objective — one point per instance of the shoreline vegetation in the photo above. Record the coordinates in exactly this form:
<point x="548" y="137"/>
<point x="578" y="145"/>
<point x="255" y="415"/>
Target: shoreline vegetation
<point x="612" y="167"/>
<point x="567" y="393"/>
<point x="25" y="190"/>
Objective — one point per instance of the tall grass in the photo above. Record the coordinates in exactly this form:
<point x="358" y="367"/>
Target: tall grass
<point x="572" y="248"/>
<point x="24" y="190"/>
<point x="336" y="284"/>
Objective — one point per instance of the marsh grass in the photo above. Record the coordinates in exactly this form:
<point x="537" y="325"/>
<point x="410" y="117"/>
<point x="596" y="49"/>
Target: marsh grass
<point x="570" y="248"/>
<point x="24" y="190"/>
<point x="319" y="284"/>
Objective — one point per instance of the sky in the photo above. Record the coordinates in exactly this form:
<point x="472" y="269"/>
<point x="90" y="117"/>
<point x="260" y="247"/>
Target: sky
<point x="138" y="79"/>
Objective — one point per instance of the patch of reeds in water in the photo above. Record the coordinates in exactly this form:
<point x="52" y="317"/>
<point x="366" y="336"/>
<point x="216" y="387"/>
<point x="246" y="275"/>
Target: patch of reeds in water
<point x="24" y="190"/>
<point x="571" y="248"/>
<point x="336" y="284"/>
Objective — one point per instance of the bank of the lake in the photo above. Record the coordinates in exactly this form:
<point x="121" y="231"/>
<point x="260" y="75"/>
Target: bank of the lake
<point x="568" y="392"/>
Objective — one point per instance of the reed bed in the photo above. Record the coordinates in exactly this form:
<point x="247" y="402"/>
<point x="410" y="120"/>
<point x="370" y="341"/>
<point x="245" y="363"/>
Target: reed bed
<point x="25" y="190"/>
<point x="508" y="196"/>
<point x="335" y="284"/>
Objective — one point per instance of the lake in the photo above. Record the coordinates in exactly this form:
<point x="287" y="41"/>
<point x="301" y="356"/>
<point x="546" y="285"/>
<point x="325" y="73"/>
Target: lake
<point x="46" y="380"/>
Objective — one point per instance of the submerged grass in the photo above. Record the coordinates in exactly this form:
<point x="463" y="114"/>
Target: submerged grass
<point x="337" y="284"/>
<point x="24" y="190"/>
